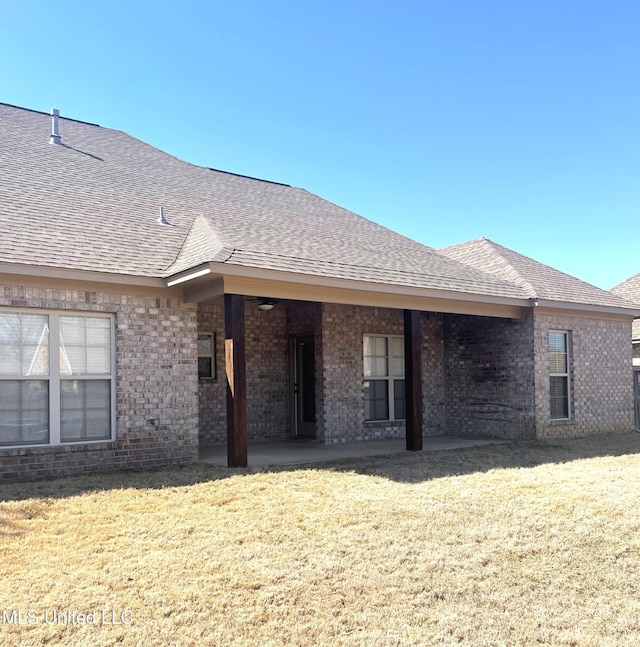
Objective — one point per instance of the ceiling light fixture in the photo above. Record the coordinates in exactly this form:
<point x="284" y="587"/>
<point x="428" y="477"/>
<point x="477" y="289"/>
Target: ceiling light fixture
<point x="266" y="304"/>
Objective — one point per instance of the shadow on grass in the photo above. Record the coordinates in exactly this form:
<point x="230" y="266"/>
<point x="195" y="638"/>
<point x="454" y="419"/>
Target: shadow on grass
<point x="418" y="467"/>
<point x="174" y="476"/>
<point x="403" y="467"/>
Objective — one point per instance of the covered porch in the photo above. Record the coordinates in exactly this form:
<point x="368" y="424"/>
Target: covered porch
<point x="286" y="353"/>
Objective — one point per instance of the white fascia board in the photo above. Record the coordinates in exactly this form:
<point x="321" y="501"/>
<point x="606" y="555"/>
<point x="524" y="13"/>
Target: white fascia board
<point x="188" y="275"/>
<point x="224" y="269"/>
<point x="229" y="279"/>
<point x="48" y="272"/>
<point x="585" y="307"/>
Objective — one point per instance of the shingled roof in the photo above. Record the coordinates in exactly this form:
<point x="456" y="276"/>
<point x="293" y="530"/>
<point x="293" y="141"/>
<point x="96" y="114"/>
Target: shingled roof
<point x="94" y="202"/>
<point x="538" y="281"/>
<point x="630" y="290"/>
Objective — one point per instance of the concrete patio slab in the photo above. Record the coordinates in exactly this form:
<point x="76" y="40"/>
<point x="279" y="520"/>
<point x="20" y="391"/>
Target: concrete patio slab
<point x="292" y="452"/>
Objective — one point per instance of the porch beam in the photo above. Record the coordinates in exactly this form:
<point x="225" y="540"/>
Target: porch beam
<point x="360" y="293"/>
<point x="236" y="372"/>
<point x="204" y="292"/>
<point x="413" y="379"/>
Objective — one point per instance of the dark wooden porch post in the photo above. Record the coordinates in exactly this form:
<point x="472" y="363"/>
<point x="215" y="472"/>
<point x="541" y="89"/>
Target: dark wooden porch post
<point x="413" y="378"/>
<point x="236" y="371"/>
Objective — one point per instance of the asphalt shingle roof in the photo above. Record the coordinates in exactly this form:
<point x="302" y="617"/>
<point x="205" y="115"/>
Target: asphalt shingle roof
<point x="93" y="203"/>
<point x="630" y="290"/>
<point x="538" y="281"/>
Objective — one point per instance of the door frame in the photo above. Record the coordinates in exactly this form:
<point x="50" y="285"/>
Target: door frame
<point x="301" y="428"/>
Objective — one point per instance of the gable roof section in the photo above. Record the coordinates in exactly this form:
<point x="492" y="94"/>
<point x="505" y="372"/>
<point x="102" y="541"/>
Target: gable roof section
<point x="630" y="290"/>
<point x="201" y="245"/>
<point x="541" y="282"/>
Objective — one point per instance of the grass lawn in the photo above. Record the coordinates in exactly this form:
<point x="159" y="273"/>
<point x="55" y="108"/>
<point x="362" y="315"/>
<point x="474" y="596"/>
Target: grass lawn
<point x="517" y="544"/>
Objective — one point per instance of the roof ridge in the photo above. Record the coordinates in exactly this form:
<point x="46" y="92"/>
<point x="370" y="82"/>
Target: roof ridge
<point x="554" y="269"/>
<point x="40" y="112"/>
<point x="497" y="247"/>
<point x="627" y="280"/>
<point x="247" y="177"/>
<point x="521" y="265"/>
<point x="213" y="244"/>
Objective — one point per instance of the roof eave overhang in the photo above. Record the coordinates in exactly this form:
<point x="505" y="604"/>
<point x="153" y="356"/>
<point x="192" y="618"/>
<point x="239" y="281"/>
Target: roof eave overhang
<point x="585" y="308"/>
<point x="211" y="280"/>
<point x="58" y="277"/>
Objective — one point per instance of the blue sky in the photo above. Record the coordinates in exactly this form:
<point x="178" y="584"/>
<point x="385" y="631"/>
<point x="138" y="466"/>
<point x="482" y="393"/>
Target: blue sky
<point x="446" y="121"/>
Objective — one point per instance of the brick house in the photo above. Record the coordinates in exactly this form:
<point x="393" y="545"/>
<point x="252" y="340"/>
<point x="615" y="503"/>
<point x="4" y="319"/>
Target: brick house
<point x="149" y="307"/>
<point x="630" y="290"/>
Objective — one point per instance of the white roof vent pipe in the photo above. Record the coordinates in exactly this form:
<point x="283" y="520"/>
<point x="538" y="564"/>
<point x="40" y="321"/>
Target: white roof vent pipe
<point x="55" y="128"/>
<point x="162" y="220"/>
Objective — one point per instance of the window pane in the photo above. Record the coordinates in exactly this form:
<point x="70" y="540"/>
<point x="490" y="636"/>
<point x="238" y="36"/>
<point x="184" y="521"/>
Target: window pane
<point x="35" y="344"/>
<point x="205" y="344"/>
<point x="204" y="368"/>
<point x="9" y="358"/>
<point x="559" y="383"/>
<point x="557" y="342"/>
<point x="559" y="394"/>
<point x="558" y="352"/>
<point x="98" y="361"/>
<point x="399" y="410"/>
<point x="73" y="360"/>
<point x="376" y="400"/>
<point x="398" y="356"/>
<point x="557" y="363"/>
<point x="375" y="346"/>
<point x="376" y="361"/>
<point x="85" y="345"/>
<point x="85" y="410"/>
<point x="376" y="367"/>
<point x="398" y="366"/>
<point x="24" y="412"/>
<point x="10" y="328"/>
<point x="72" y="330"/>
<point x="24" y="344"/>
<point x="206" y="352"/>
<point x="72" y="346"/>
<point x="98" y="331"/>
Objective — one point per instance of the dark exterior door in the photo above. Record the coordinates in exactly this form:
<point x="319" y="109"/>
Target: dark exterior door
<point x="304" y="386"/>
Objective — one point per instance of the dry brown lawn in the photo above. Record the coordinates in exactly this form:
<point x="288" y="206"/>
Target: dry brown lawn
<point x="520" y="544"/>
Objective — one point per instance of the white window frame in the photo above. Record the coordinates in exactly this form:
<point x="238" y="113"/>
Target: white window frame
<point x="566" y="374"/>
<point x="54" y="378"/>
<point x="390" y="377"/>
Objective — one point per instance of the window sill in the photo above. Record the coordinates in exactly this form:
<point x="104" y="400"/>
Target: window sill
<point x="62" y="446"/>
